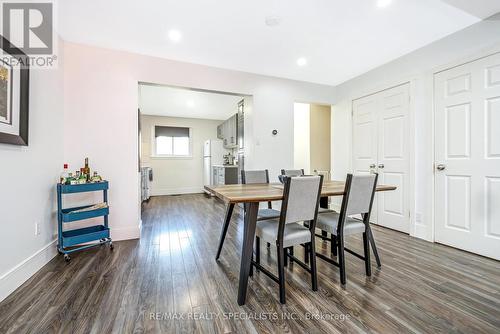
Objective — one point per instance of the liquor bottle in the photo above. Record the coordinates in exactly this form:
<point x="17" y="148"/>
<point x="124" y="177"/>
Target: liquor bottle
<point x="83" y="178"/>
<point x="64" y="175"/>
<point x="86" y="170"/>
<point x="71" y="179"/>
<point x="96" y="177"/>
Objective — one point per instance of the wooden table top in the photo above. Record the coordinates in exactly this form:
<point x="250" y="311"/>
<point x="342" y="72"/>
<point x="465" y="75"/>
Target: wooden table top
<point x="246" y="193"/>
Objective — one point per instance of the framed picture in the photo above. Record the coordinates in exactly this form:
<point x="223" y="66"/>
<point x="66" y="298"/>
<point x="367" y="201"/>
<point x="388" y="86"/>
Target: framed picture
<point x="14" y="95"/>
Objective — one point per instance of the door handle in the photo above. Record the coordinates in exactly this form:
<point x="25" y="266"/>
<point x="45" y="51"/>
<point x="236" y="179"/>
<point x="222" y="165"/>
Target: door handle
<point x="440" y="167"/>
<point x="381" y="166"/>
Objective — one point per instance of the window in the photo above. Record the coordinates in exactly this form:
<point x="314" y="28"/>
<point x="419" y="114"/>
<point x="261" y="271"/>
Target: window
<point x="170" y="141"/>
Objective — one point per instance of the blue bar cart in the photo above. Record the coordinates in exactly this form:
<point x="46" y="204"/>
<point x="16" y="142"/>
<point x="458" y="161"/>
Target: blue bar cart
<point x="74" y="240"/>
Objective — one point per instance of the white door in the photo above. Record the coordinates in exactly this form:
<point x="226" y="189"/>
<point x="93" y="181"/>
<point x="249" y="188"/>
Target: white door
<point x="393" y="158"/>
<point x="364" y="134"/>
<point x="380" y="144"/>
<point x="467" y="140"/>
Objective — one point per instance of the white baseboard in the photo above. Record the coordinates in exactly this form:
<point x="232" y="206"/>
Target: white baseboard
<point x="176" y="191"/>
<point x="126" y="233"/>
<point x="15" y="277"/>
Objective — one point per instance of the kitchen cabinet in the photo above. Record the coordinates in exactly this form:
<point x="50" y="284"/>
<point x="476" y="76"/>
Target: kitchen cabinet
<point x="220" y="133"/>
<point x="228" y="132"/>
<point x="225" y="175"/>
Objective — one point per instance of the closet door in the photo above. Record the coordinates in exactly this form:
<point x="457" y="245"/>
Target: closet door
<point x="393" y="157"/>
<point x="380" y="144"/>
<point x="364" y="134"/>
<point x="467" y="163"/>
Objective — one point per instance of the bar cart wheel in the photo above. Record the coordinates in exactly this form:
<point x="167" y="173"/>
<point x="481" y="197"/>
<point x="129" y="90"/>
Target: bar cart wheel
<point x="67" y="258"/>
<point x="111" y="246"/>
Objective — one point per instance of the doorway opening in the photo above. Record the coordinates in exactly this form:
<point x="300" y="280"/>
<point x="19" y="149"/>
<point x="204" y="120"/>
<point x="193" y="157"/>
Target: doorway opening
<point x="188" y="139"/>
<point x="312" y="138"/>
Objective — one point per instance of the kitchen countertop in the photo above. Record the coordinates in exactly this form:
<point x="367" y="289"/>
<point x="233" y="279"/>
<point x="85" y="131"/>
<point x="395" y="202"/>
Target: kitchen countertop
<point x="226" y="166"/>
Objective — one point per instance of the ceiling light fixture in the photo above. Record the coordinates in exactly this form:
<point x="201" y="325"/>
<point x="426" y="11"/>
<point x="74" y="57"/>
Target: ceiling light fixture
<point x="273" y="20"/>
<point x="383" y="3"/>
<point x="302" y="61"/>
<point x="174" y="35"/>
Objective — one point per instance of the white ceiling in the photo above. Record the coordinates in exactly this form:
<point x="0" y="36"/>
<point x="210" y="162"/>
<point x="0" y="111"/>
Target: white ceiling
<point x="340" y="39"/>
<point x="177" y="102"/>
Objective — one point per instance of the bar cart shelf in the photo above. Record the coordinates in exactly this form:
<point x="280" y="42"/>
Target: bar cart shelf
<point x="73" y="240"/>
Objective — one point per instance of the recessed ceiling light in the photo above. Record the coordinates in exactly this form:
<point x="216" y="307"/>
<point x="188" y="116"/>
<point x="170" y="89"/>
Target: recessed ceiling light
<point x="383" y="3"/>
<point x="190" y="104"/>
<point x="174" y="35"/>
<point x="273" y="20"/>
<point x="302" y="61"/>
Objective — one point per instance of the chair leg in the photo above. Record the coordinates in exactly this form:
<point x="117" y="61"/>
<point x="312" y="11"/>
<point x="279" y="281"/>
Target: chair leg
<point x="285" y="260"/>
<point x="366" y="247"/>
<point x="257" y="251"/>
<point x="341" y="258"/>
<point x="290" y="251"/>
<point x="333" y="244"/>
<point x="374" y="247"/>
<point x="281" y="272"/>
<point x="314" y="277"/>
<point x="306" y="253"/>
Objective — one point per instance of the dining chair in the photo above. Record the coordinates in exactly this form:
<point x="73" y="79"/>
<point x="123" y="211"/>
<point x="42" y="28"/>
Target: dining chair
<point x="249" y="177"/>
<point x="256" y="177"/>
<point x="323" y="207"/>
<point x="300" y="203"/>
<point x="358" y="199"/>
<point x="292" y="172"/>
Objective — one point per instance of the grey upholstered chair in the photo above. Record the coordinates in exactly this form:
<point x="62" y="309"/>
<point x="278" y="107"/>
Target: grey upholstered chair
<point x="292" y="172"/>
<point x="300" y="203"/>
<point x="358" y="199"/>
<point x="323" y="208"/>
<point x="256" y="177"/>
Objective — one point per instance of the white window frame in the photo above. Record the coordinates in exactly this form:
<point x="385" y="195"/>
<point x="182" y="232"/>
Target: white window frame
<point x="170" y="156"/>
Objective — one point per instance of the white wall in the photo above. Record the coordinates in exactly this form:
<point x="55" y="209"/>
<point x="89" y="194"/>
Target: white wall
<point x="302" y="137"/>
<point x="101" y="116"/>
<point x="418" y="68"/>
<point x="27" y="183"/>
<point x="177" y="175"/>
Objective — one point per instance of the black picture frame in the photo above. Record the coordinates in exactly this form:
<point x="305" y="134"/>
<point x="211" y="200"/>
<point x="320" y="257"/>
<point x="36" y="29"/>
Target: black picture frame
<point x="22" y="138"/>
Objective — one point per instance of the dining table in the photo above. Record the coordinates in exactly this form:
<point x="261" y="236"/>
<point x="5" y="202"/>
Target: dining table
<point x="251" y="195"/>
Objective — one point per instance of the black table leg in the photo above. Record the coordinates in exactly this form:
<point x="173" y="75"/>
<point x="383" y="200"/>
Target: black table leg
<point x="227" y="219"/>
<point x="247" y="250"/>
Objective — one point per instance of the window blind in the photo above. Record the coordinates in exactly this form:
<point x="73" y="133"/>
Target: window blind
<point x="171" y="131"/>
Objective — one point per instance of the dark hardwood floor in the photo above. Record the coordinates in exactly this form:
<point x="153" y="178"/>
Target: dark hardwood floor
<point x="169" y="282"/>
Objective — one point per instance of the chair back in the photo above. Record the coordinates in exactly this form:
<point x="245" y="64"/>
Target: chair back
<point x="254" y="176"/>
<point x="292" y="172"/>
<point x="301" y="198"/>
<point x="358" y="198"/>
